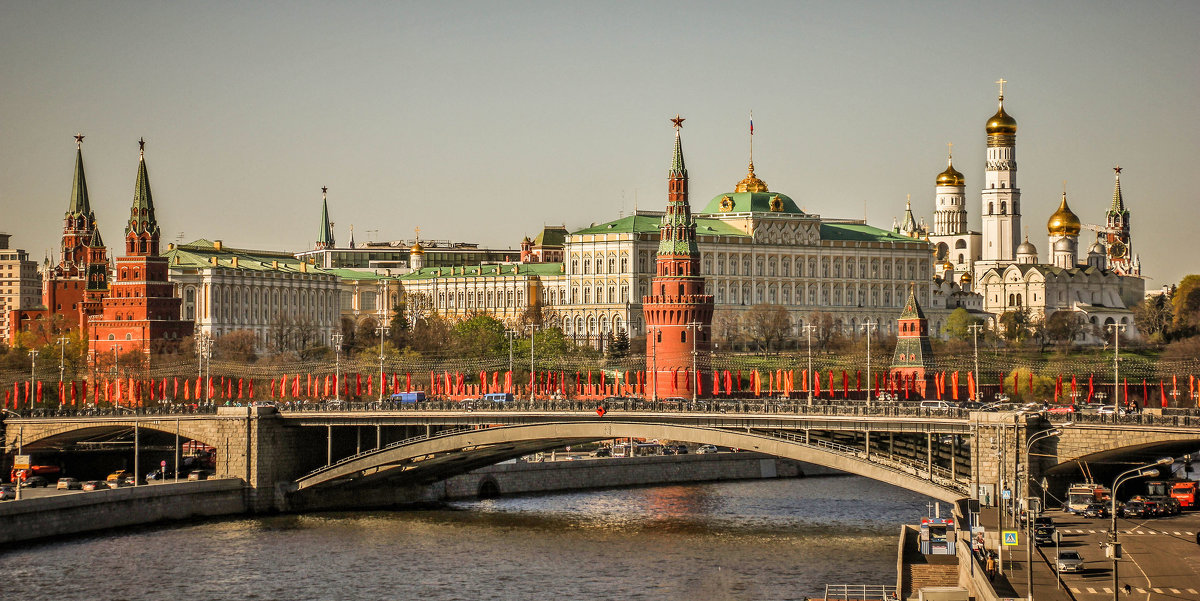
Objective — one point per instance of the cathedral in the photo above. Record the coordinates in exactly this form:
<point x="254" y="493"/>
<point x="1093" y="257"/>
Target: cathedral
<point x="995" y="271"/>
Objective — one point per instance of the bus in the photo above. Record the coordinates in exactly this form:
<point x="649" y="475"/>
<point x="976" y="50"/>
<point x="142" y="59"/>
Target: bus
<point x="1079" y="496"/>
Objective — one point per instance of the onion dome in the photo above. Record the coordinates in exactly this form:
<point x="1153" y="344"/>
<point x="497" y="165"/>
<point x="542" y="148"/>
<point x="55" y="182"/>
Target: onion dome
<point x="966" y="278"/>
<point x="1063" y="222"/>
<point x="1001" y="123"/>
<point x="947" y="265"/>
<point x="1026" y="248"/>
<point x="417" y="249"/>
<point x="751" y="183"/>
<point x="1097" y="249"/>
<point x="951" y="176"/>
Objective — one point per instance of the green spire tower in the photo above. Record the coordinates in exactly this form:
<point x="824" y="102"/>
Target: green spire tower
<point x="325" y="236"/>
<point x="141" y="233"/>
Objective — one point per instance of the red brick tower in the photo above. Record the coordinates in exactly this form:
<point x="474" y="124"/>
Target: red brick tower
<point x="914" y="356"/>
<point x="141" y="312"/>
<point x="678" y="313"/>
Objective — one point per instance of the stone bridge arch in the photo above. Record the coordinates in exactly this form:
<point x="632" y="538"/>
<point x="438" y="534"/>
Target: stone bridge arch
<point x="428" y="459"/>
<point x="49" y="434"/>
<point x="1119" y="446"/>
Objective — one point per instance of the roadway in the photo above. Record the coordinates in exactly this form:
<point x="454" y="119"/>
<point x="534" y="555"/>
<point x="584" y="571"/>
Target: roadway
<point x="1161" y="557"/>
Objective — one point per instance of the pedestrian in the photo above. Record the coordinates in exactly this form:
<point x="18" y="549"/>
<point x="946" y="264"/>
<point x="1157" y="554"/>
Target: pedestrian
<point x="991" y="567"/>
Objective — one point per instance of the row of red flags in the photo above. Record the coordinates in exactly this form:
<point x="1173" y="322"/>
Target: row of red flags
<point x="134" y="392"/>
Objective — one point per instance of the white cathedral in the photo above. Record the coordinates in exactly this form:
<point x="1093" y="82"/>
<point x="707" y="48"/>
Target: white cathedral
<point x="994" y="271"/>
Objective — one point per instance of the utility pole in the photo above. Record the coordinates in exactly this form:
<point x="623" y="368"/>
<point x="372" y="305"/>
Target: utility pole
<point x="512" y="334"/>
<point x="1116" y="330"/>
<point x="808" y="330"/>
<point x="382" y="330"/>
<point x="532" y="378"/>
<point x="337" y="364"/>
<point x="62" y="356"/>
<point x="32" y="373"/>
<point x="975" y="327"/>
<point x="868" y="326"/>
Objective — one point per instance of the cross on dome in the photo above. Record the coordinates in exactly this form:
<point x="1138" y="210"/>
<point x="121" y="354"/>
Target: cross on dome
<point x="1001" y="81"/>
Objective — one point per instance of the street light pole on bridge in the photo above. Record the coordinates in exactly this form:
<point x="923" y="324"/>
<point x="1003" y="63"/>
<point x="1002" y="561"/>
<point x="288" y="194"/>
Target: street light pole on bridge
<point x="1116" y="330"/>
<point x="808" y="330"/>
<point x="975" y="327"/>
<point x="868" y="326"/>
<point x="337" y="365"/>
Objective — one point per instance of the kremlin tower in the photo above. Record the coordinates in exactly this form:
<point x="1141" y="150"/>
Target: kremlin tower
<point x="141" y="312"/>
<point x="1120" y="251"/>
<point x="678" y="313"/>
<point x="325" y="237"/>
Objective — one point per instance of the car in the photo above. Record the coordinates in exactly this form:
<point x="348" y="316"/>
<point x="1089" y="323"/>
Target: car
<point x="1095" y="510"/>
<point x="129" y="480"/>
<point x="160" y="474"/>
<point x="1134" y="509"/>
<point x="602" y="452"/>
<point x="1108" y="410"/>
<point x="1043" y="521"/>
<point x="36" y="482"/>
<point x="706" y="449"/>
<point x="936" y="405"/>
<point x="69" y="484"/>
<point x="91" y="485"/>
<point x="7" y="492"/>
<point x="198" y="475"/>
<point x="115" y="476"/>
<point x="681" y="449"/>
<point x="1069" y="561"/>
<point x="1151" y="509"/>
<point x="1043" y="535"/>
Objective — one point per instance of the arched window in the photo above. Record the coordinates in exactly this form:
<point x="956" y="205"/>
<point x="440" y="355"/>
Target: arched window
<point x="1003" y="208"/>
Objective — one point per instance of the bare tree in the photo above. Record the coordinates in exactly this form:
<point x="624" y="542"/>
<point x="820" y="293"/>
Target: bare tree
<point x="767" y="325"/>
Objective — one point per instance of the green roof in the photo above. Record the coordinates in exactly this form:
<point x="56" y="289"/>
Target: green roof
<point x="551" y="236"/>
<point x="199" y="254"/>
<point x="143" y="203"/>
<point x="641" y="224"/>
<point x="752" y="202"/>
<point x="861" y="232"/>
<point x="493" y="270"/>
<point x="79" y="195"/>
<point x="358" y="274"/>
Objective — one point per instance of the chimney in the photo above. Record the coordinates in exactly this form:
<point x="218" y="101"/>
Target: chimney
<point x="274" y="264"/>
<point x="234" y="261"/>
<point x="217" y="244"/>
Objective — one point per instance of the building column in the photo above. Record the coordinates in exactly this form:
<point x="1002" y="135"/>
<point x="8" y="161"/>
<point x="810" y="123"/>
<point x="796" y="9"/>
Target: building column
<point x="929" y="452"/>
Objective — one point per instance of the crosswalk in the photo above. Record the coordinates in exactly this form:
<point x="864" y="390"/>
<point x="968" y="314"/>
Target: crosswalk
<point x="1141" y="531"/>
<point x="1157" y="590"/>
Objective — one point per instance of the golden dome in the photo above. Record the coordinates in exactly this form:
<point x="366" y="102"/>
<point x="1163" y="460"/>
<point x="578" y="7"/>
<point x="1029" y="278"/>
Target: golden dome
<point x="966" y="278"/>
<point x="1001" y="123"/>
<point x="951" y="177"/>
<point x="751" y="183"/>
<point x="1063" y="222"/>
<point x="947" y="265"/>
<point x="417" y="249"/>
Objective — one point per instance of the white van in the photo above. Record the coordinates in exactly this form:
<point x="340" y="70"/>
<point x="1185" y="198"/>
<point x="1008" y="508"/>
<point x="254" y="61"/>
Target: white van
<point x="936" y="405"/>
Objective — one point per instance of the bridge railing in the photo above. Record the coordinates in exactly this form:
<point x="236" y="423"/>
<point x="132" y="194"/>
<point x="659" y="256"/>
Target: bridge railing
<point x="935" y="473"/>
<point x="398" y="443"/>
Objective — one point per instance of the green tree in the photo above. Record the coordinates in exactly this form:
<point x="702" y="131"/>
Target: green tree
<point x="1186" y="307"/>
<point x="480" y="335"/>
<point x="1064" y="327"/>
<point x="1014" y="325"/>
<point x="958" y="324"/>
<point x="620" y="345"/>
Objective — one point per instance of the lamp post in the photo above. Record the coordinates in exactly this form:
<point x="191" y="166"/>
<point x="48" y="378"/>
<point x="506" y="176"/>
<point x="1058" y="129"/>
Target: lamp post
<point x="1029" y="515"/>
<point x="808" y="330"/>
<point x="532" y="379"/>
<point x="383" y="329"/>
<point x="62" y="356"/>
<point x="868" y="326"/>
<point x="512" y="334"/>
<point x="337" y="338"/>
<point x="1116" y="330"/>
<point x="694" y="326"/>
<point x="32" y="373"/>
<point x="975" y="327"/>
<point x="1147" y="470"/>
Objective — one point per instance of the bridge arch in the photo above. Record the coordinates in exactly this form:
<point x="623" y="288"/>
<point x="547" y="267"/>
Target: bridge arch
<point x="428" y="459"/>
<point x="58" y="433"/>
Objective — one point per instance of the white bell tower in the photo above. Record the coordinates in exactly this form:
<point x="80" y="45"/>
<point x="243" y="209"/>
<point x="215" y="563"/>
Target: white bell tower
<point x="1001" y="198"/>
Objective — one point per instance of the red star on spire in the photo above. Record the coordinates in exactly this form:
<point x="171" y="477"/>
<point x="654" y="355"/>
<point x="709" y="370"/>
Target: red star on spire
<point x="678" y="121"/>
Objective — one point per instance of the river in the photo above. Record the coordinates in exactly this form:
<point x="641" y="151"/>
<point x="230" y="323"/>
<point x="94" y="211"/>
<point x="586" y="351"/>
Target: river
<point x="762" y="539"/>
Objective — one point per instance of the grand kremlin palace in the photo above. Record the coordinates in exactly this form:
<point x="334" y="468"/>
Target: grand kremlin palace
<point x="757" y="247"/>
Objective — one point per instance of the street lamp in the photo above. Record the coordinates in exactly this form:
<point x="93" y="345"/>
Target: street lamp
<point x="1114" y="550"/>
<point x="532" y="378"/>
<point x="32" y="373"/>
<point x="694" y="326"/>
<point x="975" y="327"/>
<point x="512" y="334"/>
<point x="383" y="329"/>
<point x="1029" y="515"/>
<point x="337" y="338"/>
<point x="62" y="355"/>
<point x="1116" y="330"/>
<point x="868" y="326"/>
<point x="808" y="330"/>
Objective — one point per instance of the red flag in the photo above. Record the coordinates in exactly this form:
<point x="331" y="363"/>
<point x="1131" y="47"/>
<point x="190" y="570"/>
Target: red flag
<point x="251" y="390"/>
<point x="816" y="385"/>
<point x="408" y="381"/>
<point x="739" y="380"/>
<point x="1001" y="383"/>
<point x="1091" y="388"/>
<point x="1162" y="393"/>
<point x="601" y="411"/>
<point x="971" y="385"/>
<point x="845" y="384"/>
<point x="1031" y="382"/>
<point x="1125" y="385"/>
<point x="241" y="383"/>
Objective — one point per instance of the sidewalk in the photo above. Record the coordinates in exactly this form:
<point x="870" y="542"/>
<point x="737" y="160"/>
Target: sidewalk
<point x="1012" y="582"/>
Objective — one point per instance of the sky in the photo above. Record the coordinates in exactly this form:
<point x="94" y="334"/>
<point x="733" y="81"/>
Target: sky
<point x="483" y="121"/>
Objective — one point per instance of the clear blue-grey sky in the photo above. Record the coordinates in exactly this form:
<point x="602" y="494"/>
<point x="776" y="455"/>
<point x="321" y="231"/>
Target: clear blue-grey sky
<point x="481" y="121"/>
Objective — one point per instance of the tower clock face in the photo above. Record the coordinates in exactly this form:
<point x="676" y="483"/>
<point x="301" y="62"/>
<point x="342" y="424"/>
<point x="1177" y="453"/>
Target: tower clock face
<point x="1117" y="250"/>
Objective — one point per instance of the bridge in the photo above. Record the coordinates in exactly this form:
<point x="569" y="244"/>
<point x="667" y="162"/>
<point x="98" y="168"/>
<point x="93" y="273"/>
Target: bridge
<point x="321" y="457"/>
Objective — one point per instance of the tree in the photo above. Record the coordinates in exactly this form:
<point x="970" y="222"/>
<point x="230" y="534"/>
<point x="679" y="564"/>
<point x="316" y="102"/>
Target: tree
<point x="767" y="324"/>
<point x="1153" y="317"/>
<point x="827" y="332"/>
<point x="1064" y="327"/>
<point x="958" y="324"/>
<point x="619" y="347"/>
<point x="1014" y="325"/>
<point x="480" y="335"/>
<point x="1186" y="306"/>
<point x="726" y="326"/>
<point x="236" y="346"/>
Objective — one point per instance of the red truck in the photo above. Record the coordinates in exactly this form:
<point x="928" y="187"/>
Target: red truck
<point x="35" y="470"/>
<point x="1184" y="491"/>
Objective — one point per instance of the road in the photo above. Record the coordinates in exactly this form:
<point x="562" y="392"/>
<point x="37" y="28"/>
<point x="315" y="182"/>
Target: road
<point x="1161" y="557"/>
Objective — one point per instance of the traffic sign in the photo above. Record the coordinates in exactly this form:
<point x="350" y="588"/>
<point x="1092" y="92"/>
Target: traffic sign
<point x="1010" y="538"/>
<point x="162" y="463"/>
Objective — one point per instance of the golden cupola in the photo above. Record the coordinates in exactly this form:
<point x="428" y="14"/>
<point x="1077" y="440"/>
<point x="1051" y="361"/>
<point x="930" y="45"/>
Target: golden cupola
<point x="1063" y="222"/>
<point x="751" y="183"/>
<point x="951" y="176"/>
<point x="1001" y="124"/>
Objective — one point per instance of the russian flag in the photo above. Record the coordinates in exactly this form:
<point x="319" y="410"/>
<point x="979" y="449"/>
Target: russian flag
<point x="752" y="123"/>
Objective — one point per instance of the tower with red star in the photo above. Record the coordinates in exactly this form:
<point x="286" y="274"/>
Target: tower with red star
<point x="678" y="313"/>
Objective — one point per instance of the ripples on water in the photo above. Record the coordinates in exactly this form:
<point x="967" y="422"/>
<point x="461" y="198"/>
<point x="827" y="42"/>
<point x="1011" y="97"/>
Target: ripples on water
<point x="768" y="539"/>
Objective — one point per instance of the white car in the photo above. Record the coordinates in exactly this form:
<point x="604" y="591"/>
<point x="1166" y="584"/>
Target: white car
<point x="706" y="449"/>
<point x="1069" y="561"/>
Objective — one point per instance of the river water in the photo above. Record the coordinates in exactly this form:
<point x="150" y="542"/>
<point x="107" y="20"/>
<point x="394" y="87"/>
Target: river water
<point x="763" y="539"/>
